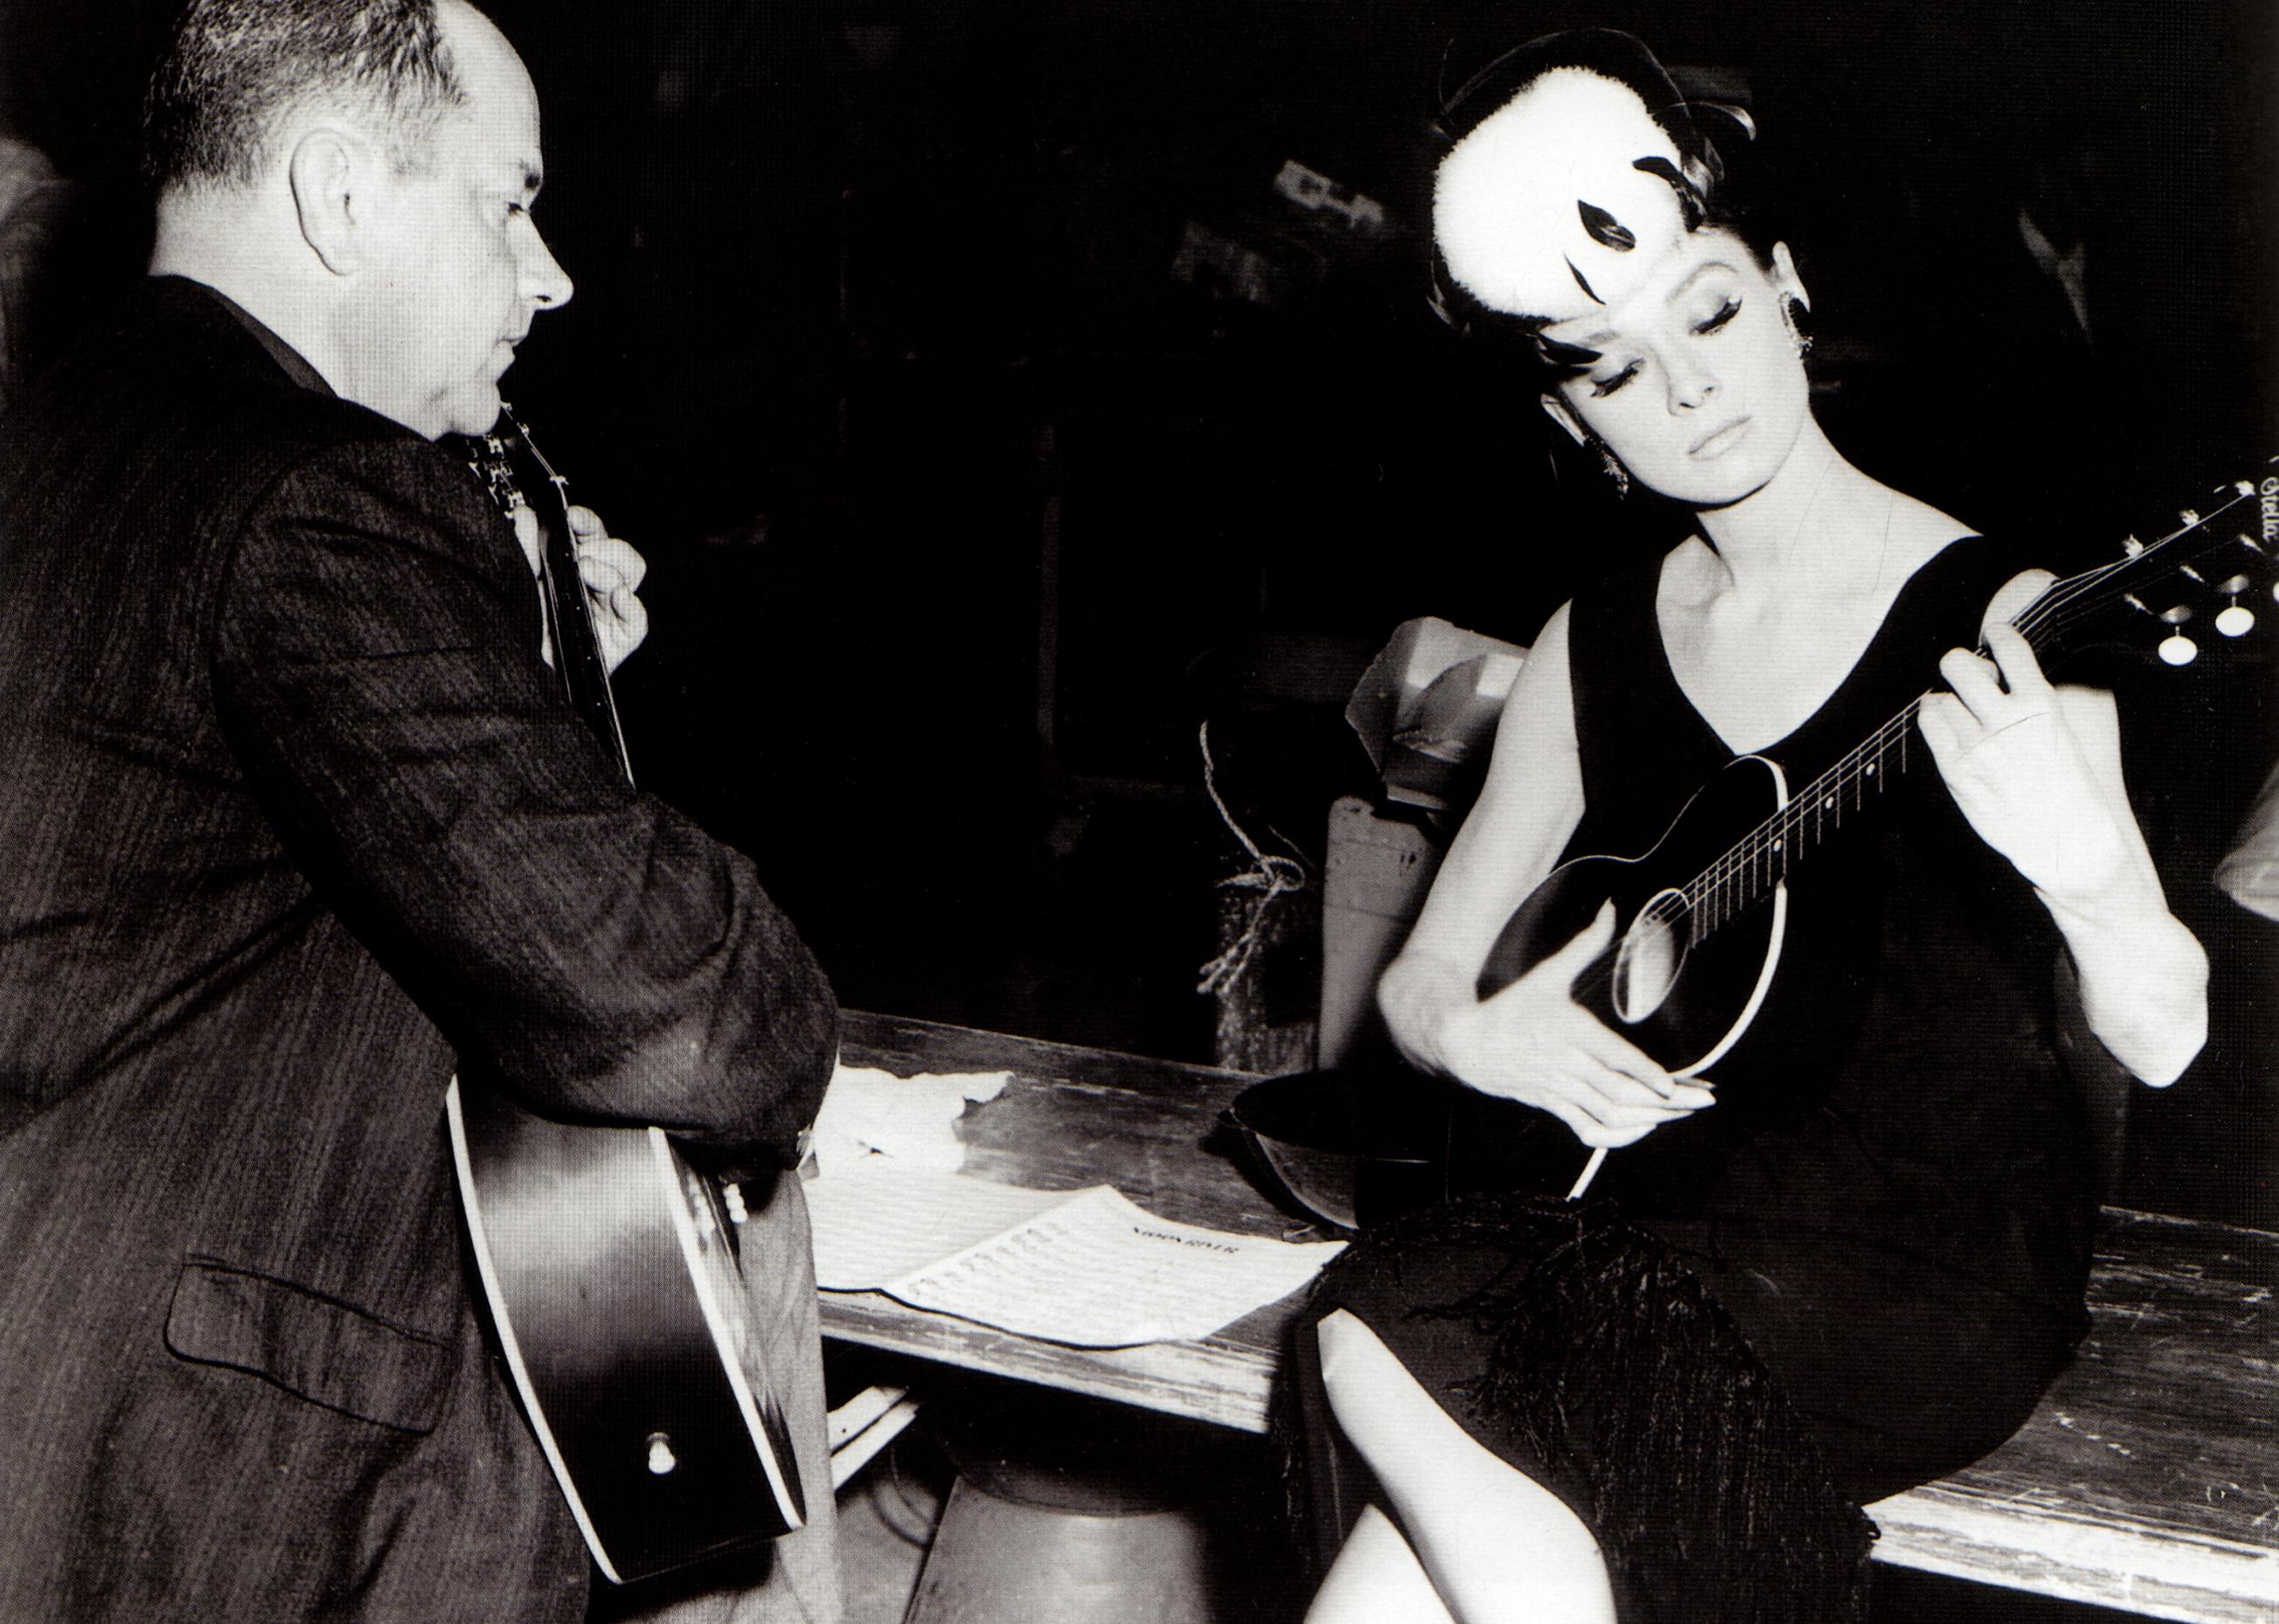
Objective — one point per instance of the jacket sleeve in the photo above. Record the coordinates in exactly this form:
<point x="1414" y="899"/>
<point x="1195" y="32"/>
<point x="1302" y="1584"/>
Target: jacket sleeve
<point x="376" y="672"/>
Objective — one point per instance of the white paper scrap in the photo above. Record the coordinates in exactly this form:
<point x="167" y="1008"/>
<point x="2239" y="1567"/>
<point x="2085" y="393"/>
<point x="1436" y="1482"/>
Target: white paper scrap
<point x="1085" y="1268"/>
<point x="868" y="1112"/>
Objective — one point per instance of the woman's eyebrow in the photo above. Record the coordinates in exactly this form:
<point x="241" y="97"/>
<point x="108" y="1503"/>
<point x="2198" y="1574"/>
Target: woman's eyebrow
<point x="1567" y="352"/>
<point x="1699" y="272"/>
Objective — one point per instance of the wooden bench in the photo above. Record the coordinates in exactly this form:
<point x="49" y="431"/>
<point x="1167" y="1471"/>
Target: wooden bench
<point x="2148" y="1481"/>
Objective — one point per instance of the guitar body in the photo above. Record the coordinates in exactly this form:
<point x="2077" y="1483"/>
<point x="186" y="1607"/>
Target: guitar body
<point x="1685" y="1002"/>
<point x="608" y="1263"/>
<point x="610" y="1267"/>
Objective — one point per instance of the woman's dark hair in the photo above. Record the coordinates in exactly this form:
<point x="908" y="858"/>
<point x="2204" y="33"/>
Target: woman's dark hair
<point x="230" y="67"/>
<point x="1712" y="192"/>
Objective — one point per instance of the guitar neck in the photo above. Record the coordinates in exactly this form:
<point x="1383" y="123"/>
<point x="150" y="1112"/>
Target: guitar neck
<point x="2053" y="625"/>
<point x="577" y="647"/>
<point x="520" y="479"/>
<point x="1748" y="870"/>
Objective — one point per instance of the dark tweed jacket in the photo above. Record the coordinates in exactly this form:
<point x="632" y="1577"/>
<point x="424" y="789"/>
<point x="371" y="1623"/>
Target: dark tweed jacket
<point x="292" y="825"/>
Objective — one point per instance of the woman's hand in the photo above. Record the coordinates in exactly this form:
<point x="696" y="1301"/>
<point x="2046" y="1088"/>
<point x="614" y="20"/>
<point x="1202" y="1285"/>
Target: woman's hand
<point x="2037" y="772"/>
<point x="612" y="571"/>
<point x="1533" y="1043"/>
<point x="2013" y="763"/>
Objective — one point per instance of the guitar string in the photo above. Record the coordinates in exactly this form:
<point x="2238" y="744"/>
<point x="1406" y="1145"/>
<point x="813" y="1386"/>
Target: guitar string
<point x="2054" y="611"/>
<point x="2059" y="609"/>
<point x="1714" y="889"/>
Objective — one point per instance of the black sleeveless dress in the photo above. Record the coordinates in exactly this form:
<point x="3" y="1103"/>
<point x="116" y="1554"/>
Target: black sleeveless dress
<point x="1855" y="1273"/>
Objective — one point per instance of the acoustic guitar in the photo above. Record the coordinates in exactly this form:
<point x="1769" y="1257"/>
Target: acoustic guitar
<point x="1701" y="917"/>
<point x="607" y="1261"/>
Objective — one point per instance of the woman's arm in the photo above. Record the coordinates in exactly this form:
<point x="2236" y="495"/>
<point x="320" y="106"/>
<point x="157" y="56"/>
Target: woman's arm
<point x="2037" y="770"/>
<point x="2143" y="976"/>
<point x="1531" y="1042"/>
<point x="1528" y="807"/>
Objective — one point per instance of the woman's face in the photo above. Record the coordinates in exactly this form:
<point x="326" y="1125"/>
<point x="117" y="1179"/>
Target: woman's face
<point x="1693" y="378"/>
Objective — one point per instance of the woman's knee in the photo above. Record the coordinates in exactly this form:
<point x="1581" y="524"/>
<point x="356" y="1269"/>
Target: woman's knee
<point x="1376" y="1579"/>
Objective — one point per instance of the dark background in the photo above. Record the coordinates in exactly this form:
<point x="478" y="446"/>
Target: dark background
<point x="969" y="492"/>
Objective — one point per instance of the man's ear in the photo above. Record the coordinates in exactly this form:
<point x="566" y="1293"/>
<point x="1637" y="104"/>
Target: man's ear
<point x="328" y="199"/>
<point x="1563" y="414"/>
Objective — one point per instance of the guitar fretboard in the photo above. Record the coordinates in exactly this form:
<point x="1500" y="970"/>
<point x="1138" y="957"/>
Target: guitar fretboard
<point x="1747" y="874"/>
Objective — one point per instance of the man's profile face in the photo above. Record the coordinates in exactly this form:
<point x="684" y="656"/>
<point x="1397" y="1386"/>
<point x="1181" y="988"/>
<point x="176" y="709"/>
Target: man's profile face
<point x="459" y="269"/>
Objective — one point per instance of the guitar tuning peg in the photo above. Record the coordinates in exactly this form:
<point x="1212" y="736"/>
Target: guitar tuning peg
<point x="2130" y="546"/>
<point x="2189" y="516"/>
<point x="2176" y="649"/>
<point x="2234" y="619"/>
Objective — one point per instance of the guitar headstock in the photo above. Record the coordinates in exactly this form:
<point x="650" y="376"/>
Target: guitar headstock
<point x="2212" y="575"/>
<point x="510" y="467"/>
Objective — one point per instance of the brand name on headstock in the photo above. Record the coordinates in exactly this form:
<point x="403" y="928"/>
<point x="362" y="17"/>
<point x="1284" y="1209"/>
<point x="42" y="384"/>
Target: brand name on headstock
<point x="2270" y="492"/>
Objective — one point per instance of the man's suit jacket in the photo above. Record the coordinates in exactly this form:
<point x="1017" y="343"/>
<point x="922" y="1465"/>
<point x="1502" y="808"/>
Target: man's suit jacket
<point x="293" y="825"/>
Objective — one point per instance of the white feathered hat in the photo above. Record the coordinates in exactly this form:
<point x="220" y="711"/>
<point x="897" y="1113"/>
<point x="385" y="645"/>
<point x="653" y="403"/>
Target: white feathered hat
<point x="1557" y="202"/>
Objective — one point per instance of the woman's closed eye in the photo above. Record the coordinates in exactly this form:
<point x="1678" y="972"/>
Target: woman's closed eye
<point x="1601" y="386"/>
<point x="1725" y="313"/>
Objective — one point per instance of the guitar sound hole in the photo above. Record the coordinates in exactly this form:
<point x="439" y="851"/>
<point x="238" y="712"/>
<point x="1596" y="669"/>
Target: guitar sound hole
<point x="1646" y="963"/>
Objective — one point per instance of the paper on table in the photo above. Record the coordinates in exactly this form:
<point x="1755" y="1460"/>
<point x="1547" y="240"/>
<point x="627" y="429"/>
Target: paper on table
<point x="868" y="1112"/>
<point x="1085" y="1268"/>
<point x="876" y="1220"/>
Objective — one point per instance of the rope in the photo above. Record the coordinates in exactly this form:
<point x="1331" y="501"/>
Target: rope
<point x="1269" y="876"/>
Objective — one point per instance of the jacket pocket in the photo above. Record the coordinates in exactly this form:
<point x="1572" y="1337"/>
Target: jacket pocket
<point x="317" y="1347"/>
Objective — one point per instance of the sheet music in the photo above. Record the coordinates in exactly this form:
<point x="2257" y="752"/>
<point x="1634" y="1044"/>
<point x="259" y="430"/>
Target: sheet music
<point x="1085" y="1268"/>
<point x="881" y="1219"/>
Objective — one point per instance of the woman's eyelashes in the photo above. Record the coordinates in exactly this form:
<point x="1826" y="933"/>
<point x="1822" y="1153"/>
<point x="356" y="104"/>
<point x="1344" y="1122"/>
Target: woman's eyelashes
<point x="1601" y="386"/>
<point x="1714" y="322"/>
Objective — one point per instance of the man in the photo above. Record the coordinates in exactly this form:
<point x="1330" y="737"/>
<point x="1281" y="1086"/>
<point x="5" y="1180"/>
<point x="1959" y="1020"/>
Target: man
<point x="296" y="825"/>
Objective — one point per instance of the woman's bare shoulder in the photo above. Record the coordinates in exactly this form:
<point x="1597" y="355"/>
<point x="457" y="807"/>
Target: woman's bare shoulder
<point x="1922" y="531"/>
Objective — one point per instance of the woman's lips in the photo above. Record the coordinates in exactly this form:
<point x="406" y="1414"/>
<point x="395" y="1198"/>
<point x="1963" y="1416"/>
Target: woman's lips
<point x="1718" y="441"/>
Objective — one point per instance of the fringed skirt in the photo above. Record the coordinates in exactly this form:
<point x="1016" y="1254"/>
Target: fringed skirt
<point x="1583" y="1350"/>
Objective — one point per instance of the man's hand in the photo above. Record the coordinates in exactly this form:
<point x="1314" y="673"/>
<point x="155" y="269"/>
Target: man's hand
<point x="612" y="571"/>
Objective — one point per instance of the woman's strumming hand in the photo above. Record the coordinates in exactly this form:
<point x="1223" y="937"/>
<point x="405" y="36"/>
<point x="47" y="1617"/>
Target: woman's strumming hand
<point x="1533" y="1043"/>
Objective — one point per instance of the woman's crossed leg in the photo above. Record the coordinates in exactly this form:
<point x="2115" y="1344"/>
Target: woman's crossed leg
<point x="1484" y="1542"/>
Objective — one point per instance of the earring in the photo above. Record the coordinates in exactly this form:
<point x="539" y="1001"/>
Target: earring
<point x="1615" y="472"/>
<point x="1802" y="340"/>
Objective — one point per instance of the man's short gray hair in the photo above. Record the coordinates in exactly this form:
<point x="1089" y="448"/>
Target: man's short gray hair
<point x="231" y="67"/>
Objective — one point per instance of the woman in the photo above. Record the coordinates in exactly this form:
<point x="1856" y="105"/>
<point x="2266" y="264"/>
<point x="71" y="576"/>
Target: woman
<point x="1850" y="1257"/>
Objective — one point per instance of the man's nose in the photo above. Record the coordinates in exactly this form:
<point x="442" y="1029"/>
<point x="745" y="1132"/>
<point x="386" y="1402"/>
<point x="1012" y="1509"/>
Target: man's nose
<point x="543" y="280"/>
